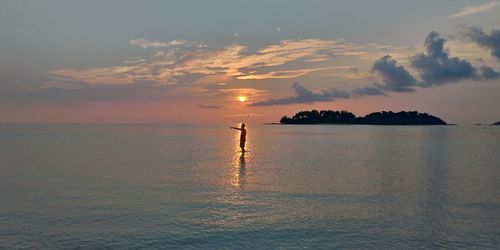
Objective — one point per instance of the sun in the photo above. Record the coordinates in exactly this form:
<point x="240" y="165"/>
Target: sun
<point x="242" y="98"/>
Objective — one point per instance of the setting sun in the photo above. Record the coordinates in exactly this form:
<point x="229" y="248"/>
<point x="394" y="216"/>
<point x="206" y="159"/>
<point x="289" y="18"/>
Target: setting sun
<point x="242" y="98"/>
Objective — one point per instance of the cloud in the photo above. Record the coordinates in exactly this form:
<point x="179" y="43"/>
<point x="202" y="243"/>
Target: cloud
<point x="204" y="106"/>
<point x="243" y="115"/>
<point x="488" y="73"/>
<point x="204" y="68"/>
<point x="367" y="91"/>
<point x="73" y="92"/>
<point x="470" y="10"/>
<point x="491" y="41"/>
<point x="176" y="60"/>
<point x="394" y="78"/>
<point x="304" y="95"/>
<point x="117" y="75"/>
<point x="284" y="74"/>
<point x="436" y="67"/>
<point x="143" y="43"/>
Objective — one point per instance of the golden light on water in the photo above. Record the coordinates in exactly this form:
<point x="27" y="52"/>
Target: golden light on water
<point x="242" y="98"/>
<point x="238" y="171"/>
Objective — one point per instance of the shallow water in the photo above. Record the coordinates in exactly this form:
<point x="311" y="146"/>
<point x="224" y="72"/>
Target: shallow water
<point x="146" y="186"/>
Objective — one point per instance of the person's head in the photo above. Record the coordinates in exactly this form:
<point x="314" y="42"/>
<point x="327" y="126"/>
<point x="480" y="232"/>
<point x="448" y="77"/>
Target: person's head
<point x="243" y="125"/>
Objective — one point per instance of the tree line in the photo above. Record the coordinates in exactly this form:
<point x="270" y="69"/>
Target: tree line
<point x="376" y="118"/>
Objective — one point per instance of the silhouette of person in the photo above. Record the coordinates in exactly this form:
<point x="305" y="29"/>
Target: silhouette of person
<point x="243" y="136"/>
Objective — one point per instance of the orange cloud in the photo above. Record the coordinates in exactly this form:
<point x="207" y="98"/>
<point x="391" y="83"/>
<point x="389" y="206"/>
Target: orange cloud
<point x="286" y="73"/>
<point x="178" y="58"/>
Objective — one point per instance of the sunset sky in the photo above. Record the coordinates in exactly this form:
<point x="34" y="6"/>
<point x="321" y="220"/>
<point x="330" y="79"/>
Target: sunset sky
<point x="186" y="61"/>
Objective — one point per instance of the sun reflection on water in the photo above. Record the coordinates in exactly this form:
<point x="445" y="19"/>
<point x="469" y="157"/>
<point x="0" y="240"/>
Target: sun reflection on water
<point x="239" y="165"/>
<point x="239" y="170"/>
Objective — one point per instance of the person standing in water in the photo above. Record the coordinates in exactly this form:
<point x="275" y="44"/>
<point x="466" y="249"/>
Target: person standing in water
<point x="243" y="136"/>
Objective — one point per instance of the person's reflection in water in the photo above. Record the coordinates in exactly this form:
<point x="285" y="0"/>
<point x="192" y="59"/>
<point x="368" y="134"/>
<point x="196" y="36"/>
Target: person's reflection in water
<point x="243" y="166"/>
<point x="239" y="171"/>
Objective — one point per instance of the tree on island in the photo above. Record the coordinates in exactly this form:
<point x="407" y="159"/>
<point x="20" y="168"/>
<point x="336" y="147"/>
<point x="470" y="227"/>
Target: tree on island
<point x="323" y="116"/>
<point x="377" y="118"/>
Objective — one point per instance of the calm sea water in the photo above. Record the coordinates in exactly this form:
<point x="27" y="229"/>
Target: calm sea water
<point x="319" y="187"/>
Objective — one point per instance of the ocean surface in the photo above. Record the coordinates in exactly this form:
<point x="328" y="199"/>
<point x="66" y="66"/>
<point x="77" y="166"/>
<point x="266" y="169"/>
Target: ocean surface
<point x="299" y="186"/>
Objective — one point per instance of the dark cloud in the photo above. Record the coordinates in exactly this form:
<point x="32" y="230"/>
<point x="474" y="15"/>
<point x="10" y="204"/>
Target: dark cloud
<point x="491" y="41"/>
<point x="304" y="95"/>
<point x="203" y="106"/>
<point x="394" y="78"/>
<point x="436" y="67"/>
<point x="367" y="91"/>
<point x="76" y="93"/>
<point x="488" y="73"/>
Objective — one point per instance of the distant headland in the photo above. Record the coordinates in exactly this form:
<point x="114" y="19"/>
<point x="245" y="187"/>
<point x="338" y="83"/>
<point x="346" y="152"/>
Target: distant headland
<point x="377" y="118"/>
<point x="496" y="123"/>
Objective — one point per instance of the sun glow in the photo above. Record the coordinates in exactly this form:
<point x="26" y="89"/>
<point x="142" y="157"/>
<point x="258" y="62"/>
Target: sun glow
<point x="242" y="98"/>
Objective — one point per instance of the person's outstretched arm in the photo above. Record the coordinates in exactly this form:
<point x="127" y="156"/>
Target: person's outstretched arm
<point x="236" y="128"/>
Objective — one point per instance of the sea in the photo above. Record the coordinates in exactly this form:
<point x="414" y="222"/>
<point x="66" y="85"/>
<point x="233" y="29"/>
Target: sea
<point x="69" y="186"/>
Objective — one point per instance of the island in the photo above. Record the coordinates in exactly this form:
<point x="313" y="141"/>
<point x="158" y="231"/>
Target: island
<point x="377" y="118"/>
<point x="496" y="123"/>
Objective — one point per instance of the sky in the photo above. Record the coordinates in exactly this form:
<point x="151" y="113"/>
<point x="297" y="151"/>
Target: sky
<point x="190" y="62"/>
